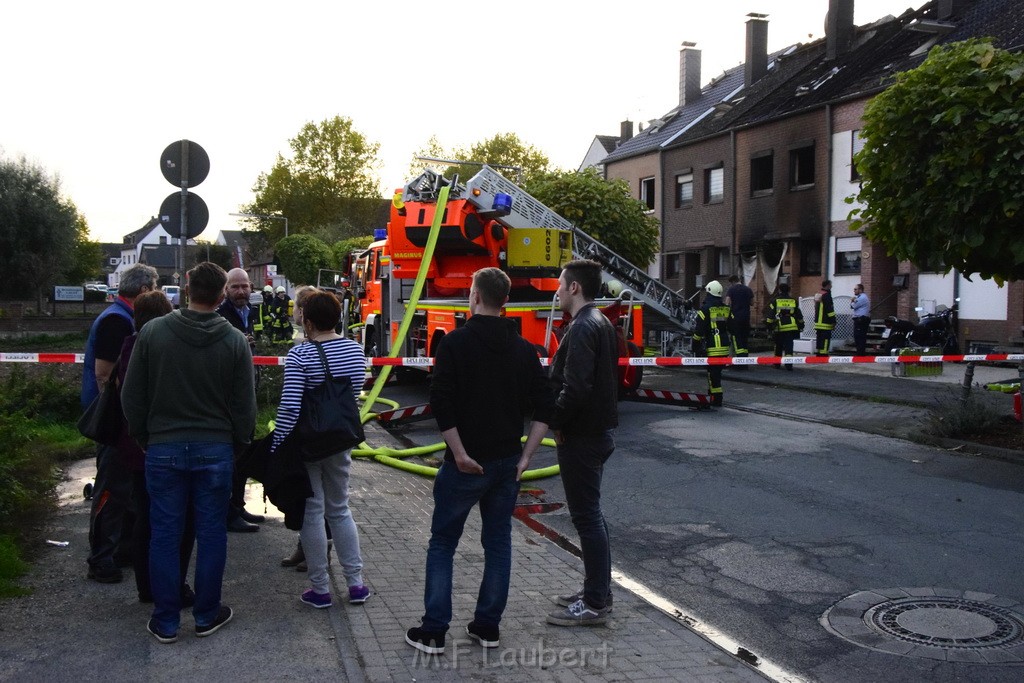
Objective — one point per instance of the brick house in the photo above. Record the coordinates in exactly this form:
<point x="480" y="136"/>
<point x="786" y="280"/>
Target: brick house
<point x="752" y="178"/>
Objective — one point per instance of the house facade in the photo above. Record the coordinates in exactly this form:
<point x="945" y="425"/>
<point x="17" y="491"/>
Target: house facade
<point x="754" y="179"/>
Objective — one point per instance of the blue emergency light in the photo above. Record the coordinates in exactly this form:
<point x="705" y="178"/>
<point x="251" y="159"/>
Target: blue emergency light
<point x="502" y="204"/>
<point x="380" y="233"/>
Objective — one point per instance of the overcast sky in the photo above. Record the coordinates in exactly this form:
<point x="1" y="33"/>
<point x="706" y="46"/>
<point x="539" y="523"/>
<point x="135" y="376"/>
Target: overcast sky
<point x="94" y="91"/>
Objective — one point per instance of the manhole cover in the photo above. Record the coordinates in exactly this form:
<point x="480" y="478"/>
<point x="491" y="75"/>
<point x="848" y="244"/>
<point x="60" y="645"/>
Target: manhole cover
<point x="932" y="622"/>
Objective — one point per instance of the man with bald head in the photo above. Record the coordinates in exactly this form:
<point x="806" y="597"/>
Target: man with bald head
<point x="236" y="310"/>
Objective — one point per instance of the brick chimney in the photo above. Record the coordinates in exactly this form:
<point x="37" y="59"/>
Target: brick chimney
<point x="838" y="28"/>
<point x="689" y="74"/>
<point x="625" y="131"/>
<point x="756" y="64"/>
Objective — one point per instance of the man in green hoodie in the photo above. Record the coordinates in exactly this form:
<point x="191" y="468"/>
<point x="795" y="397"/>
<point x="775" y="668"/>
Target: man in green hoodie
<point x="189" y="401"/>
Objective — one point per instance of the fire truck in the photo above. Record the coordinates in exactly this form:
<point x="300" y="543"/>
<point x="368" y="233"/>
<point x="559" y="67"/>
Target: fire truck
<point x="488" y="222"/>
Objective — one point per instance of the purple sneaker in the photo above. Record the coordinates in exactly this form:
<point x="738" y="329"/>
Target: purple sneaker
<point x="317" y="600"/>
<point x="357" y="595"/>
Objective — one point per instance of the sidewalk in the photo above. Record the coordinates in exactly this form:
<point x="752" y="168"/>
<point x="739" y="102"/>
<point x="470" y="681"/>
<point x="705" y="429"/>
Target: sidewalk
<point x="72" y="629"/>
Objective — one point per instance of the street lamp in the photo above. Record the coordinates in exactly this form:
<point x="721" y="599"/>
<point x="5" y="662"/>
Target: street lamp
<point x="257" y="215"/>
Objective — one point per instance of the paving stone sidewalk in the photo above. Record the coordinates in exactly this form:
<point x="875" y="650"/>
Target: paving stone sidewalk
<point x="640" y="643"/>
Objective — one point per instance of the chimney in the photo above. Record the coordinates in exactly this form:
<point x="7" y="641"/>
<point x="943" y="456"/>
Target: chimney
<point x="625" y="131"/>
<point x="756" y="64"/>
<point x="838" y="28"/>
<point x="689" y="74"/>
<point x="951" y="9"/>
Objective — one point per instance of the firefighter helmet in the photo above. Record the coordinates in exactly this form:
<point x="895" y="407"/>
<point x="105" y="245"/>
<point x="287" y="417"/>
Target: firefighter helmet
<point x="614" y="288"/>
<point x="280" y="289"/>
<point x="714" y="288"/>
<point x="269" y="289"/>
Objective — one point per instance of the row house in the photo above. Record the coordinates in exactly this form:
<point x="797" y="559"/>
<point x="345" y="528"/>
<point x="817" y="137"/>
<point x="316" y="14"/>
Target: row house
<point x="750" y="174"/>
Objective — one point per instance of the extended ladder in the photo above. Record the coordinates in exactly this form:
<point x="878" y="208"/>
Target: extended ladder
<point x="528" y="212"/>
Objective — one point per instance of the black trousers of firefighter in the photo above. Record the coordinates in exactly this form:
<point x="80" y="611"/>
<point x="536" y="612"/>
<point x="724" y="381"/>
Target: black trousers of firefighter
<point x="715" y="383"/>
<point x="784" y="345"/>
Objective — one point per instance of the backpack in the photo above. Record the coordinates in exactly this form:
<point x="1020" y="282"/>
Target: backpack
<point x="329" y="421"/>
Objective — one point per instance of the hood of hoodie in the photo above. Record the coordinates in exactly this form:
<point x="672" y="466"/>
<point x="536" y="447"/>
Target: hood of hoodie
<point x="496" y="334"/>
<point x="198" y="329"/>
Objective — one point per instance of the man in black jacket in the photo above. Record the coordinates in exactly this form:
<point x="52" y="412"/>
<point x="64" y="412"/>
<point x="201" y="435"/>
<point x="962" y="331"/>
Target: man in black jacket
<point x="584" y="375"/>
<point x="236" y="310"/>
<point x="486" y="380"/>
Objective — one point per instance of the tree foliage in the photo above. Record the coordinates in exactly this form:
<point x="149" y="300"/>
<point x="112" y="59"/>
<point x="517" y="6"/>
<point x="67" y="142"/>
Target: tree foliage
<point x="302" y="257"/>
<point x="941" y="164"/>
<point x="39" y="230"/>
<point x="343" y="249"/>
<point x="504" y="149"/>
<point x="86" y="256"/>
<point x="328" y="184"/>
<point x="603" y="209"/>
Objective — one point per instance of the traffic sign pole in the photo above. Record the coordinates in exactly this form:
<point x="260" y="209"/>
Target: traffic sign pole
<point x="184" y="206"/>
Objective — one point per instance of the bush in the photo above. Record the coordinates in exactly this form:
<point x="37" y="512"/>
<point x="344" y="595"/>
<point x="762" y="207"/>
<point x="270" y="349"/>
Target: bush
<point x="952" y="417"/>
<point x="46" y="395"/>
<point x="11" y="567"/>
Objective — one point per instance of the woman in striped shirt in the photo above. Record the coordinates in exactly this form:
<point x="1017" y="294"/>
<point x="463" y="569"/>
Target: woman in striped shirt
<point x="328" y="477"/>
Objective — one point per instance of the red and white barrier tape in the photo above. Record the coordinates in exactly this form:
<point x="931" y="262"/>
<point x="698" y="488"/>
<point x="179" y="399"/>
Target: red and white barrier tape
<point x="660" y="361"/>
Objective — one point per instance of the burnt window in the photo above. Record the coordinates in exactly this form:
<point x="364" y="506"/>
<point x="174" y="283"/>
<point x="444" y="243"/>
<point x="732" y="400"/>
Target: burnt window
<point x="762" y="173"/>
<point x="801" y="167"/>
<point x="810" y="257"/>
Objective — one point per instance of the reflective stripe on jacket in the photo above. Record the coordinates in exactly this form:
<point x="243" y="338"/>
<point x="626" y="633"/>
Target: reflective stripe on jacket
<point x="824" y="313"/>
<point x="713" y="329"/>
<point x="784" y="314"/>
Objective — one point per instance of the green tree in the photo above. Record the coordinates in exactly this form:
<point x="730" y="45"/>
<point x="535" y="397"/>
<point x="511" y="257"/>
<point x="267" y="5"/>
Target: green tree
<point x="38" y="230"/>
<point x="302" y="257"/>
<point x="603" y="209"/>
<point x="343" y="249"/>
<point x="502" y="150"/>
<point x="941" y="164"/>
<point x="329" y="183"/>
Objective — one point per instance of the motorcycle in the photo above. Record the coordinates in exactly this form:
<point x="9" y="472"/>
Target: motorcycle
<point x="933" y="330"/>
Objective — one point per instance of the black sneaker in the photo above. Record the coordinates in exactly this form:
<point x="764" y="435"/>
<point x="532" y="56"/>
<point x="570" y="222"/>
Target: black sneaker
<point x="566" y="600"/>
<point x="223" y="617"/>
<point x="431" y="642"/>
<point x="487" y="636"/>
<point x="105" y="574"/>
<point x="165" y="638"/>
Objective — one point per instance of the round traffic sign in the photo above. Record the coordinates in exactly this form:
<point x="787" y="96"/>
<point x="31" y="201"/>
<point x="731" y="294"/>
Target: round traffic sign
<point x="174" y="169"/>
<point x="170" y="215"/>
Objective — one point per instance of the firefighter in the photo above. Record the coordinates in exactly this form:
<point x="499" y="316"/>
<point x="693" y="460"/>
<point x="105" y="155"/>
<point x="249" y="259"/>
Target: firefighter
<point x="281" y="317"/>
<point x="261" y="323"/>
<point x="824" y="319"/>
<point x="712" y="336"/>
<point x="785" y="319"/>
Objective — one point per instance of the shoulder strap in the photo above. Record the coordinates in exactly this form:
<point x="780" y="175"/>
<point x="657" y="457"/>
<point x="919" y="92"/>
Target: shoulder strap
<point x="323" y="360"/>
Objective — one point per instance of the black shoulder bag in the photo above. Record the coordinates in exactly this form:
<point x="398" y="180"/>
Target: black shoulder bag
<point x="329" y="420"/>
<point x="101" y="420"/>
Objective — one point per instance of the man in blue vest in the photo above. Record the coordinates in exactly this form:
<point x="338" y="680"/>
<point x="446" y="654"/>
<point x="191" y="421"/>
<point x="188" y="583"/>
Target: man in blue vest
<point x="108" y="522"/>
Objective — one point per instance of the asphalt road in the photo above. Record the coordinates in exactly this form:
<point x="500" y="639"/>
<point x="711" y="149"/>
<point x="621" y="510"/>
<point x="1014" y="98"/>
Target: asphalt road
<point x="759" y="517"/>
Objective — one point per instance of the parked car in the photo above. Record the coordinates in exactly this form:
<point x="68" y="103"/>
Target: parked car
<point x="173" y="294"/>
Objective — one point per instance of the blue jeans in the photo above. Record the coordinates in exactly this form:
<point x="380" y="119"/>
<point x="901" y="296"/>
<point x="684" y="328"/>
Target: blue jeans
<point x="581" y="462"/>
<point x="175" y="471"/>
<point x="455" y="494"/>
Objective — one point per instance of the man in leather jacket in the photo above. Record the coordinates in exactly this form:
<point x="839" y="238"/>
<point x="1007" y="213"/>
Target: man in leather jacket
<point x="584" y="377"/>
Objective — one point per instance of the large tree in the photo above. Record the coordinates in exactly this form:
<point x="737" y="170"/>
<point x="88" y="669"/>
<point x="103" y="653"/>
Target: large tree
<point x="603" y="209"/>
<point x="328" y="184"/>
<point x="38" y="230"/>
<point x="513" y="158"/>
<point x="942" y="159"/>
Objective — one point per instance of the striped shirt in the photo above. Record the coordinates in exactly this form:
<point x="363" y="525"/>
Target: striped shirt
<point x="303" y="370"/>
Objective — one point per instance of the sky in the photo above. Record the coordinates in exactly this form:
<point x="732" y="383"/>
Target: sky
<point x="94" y="91"/>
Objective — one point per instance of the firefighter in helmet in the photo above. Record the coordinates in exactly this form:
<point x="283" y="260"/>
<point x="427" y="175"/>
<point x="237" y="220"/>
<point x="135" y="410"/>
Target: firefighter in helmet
<point x="785" y="320"/>
<point x="281" y="316"/>
<point x="713" y="336"/>
<point x="261" y="325"/>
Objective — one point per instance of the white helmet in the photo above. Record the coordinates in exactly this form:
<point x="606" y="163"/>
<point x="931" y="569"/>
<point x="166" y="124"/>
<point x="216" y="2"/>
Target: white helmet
<point x="714" y="288"/>
<point x="268" y="288"/>
<point x="614" y="288"/>
<point x="280" y="289"/>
